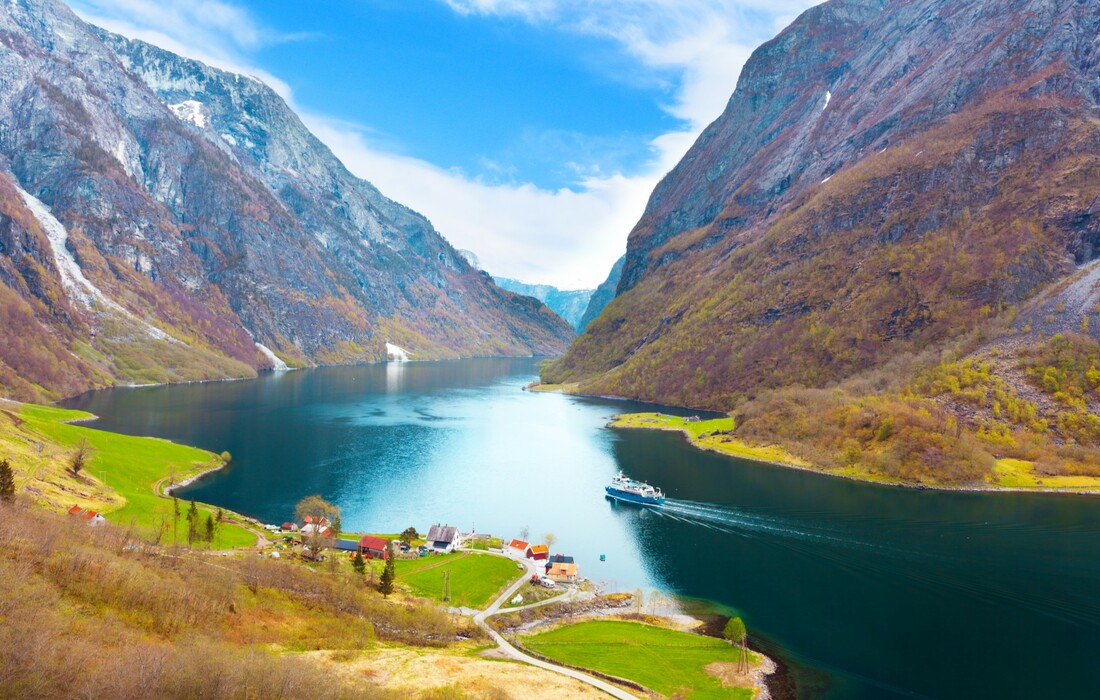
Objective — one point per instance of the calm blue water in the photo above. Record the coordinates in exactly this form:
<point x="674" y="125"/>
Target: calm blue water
<point x="866" y="591"/>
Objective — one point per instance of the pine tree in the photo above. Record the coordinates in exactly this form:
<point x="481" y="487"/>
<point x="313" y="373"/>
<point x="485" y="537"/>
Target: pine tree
<point x="385" y="585"/>
<point x="358" y="563"/>
<point x="175" y="518"/>
<point x="192" y="523"/>
<point x="7" y="482"/>
<point x="209" y="528"/>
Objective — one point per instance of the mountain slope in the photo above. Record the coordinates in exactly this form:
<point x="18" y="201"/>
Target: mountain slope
<point x="603" y="295"/>
<point x="213" y="225"/>
<point x="884" y="177"/>
<point x="570" y="304"/>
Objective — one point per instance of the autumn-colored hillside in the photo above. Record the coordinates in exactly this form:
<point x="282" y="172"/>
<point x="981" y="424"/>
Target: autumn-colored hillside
<point x="887" y="178"/>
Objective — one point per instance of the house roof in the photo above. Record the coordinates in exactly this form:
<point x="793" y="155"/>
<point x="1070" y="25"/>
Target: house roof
<point x="561" y="559"/>
<point x="369" y="542"/>
<point x="346" y="545"/>
<point x="539" y="549"/>
<point x="560" y="569"/>
<point x="287" y="526"/>
<point x="318" y="519"/>
<point x="75" y="510"/>
<point x="518" y="544"/>
<point x="442" y="533"/>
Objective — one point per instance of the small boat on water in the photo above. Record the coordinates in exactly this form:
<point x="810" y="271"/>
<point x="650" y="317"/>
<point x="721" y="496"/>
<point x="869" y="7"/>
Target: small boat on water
<point x="623" y="488"/>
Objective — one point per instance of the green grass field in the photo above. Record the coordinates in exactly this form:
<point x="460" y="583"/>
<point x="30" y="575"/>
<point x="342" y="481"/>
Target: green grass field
<point x="129" y="466"/>
<point x="664" y="660"/>
<point x="702" y="434"/>
<point x="476" y="579"/>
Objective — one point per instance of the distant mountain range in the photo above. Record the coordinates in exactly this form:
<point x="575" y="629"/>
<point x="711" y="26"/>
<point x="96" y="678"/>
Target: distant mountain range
<point x="569" y="304"/>
<point x="900" y="200"/>
<point x="162" y="220"/>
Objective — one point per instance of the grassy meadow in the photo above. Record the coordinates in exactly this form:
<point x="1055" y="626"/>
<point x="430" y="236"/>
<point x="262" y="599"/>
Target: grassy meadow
<point x="476" y="579"/>
<point x="671" y="662"/>
<point x="713" y="434"/>
<point x="118" y="479"/>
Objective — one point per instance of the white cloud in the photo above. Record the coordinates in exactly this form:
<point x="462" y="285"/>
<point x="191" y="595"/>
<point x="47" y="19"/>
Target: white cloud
<point x="568" y="238"/>
<point x="565" y="238"/>
<point x="705" y="41"/>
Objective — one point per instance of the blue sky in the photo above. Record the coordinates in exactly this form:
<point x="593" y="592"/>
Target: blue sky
<point x="530" y="132"/>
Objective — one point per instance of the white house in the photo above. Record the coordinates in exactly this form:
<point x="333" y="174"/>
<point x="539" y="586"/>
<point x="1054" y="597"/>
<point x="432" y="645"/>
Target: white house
<point x="443" y="538"/>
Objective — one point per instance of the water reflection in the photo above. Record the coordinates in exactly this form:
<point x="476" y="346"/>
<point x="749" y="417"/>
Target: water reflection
<point x="395" y="372"/>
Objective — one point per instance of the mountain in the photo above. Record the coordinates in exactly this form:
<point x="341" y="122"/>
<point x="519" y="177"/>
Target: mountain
<point x="570" y="304"/>
<point x="890" y="185"/>
<point x="162" y="220"/>
<point x="602" y="296"/>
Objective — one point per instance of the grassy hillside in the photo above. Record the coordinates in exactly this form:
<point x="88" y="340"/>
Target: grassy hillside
<point x="92" y="612"/>
<point x="119" y="478"/>
<point x="984" y="413"/>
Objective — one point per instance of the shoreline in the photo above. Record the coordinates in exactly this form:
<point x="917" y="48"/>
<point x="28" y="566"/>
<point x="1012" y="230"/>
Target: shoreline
<point x="695" y="443"/>
<point x="536" y="386"/>
<point x="161" y="490"/>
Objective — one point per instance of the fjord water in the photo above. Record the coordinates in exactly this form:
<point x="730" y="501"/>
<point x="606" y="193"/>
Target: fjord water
<point x="865" y="591"/>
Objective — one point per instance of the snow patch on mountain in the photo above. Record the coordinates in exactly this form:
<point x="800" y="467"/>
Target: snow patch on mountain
<point x="828" y="99"/>
<point x="72" y="277"/>
<point x="190" y="111"/>
<point x="396" y="354"/>
<point x="276" y="364"/>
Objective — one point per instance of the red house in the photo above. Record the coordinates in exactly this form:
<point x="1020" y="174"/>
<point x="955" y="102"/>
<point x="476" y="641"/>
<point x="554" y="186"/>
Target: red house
<point x="538" y="551"/>
<point x="373" y="547"/>
<point x="89" y="516"/>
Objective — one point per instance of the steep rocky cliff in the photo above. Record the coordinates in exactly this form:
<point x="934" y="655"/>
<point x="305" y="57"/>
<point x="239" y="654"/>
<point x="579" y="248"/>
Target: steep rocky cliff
<point x="163" y="220"/>
<point x="885" y="177"/>
<point x="603" y="295"/>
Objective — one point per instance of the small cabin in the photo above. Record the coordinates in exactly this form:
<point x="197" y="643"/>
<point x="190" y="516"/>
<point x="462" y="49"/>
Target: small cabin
<point x="538" y="552"/>
<point x="562" y="573"/>
<point x="316" y="534"/>
<point x="558" y="559"/>
<point x="90" y="517"/>
<point x="373" y="547"/>
<point x="518" y="547"/>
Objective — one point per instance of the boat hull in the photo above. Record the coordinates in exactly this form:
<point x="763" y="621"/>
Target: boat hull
<point x="628" y="497"/>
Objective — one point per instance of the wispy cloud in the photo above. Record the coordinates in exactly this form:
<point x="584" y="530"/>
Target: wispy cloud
<point x="705" y="41"/>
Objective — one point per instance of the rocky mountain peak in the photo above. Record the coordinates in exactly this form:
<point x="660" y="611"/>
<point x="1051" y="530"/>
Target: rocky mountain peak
<point x="197" y="202"/>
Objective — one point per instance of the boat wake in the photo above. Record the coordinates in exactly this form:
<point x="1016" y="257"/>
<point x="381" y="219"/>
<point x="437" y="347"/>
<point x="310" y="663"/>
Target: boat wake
<point x="747" y="524"/>
<point x="817" y="536"/>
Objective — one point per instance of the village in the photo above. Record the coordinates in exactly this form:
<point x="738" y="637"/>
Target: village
<point x="317" y="535"/>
